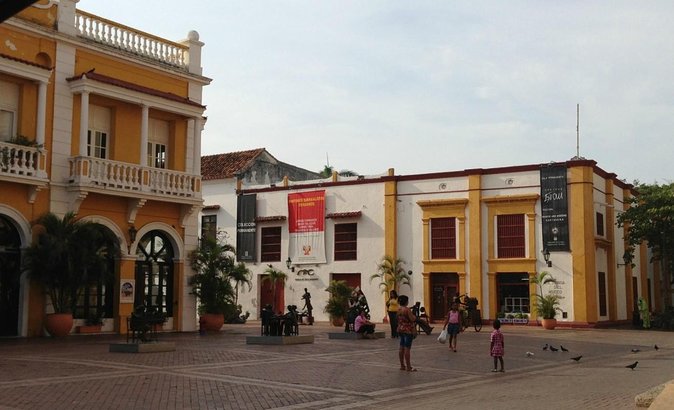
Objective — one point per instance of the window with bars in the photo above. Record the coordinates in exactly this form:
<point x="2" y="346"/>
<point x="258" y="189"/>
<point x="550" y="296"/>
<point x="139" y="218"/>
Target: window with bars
<point x="270" y="244"/>
<point x="602" y="293"/>
<point x="510" y="236"/>
<point x="600" y="223"/>
<point x="209" y="226"/>
<point x="346" y="242"/>
<point x="443" y="238"/>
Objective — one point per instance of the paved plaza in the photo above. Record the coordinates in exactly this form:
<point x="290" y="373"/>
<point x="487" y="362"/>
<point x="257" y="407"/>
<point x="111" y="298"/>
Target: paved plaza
<point x="219" y="371"/>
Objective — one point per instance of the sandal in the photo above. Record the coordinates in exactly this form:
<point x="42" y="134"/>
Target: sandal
<point x="494" y="370"/>
<point x="412" y="369"/>
<point x="403" y="368"/>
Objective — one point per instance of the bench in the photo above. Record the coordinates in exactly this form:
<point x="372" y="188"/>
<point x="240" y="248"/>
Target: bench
<point x="142" y="325"/>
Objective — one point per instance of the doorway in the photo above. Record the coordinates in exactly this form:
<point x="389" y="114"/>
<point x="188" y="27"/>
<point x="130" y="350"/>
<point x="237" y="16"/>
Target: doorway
<point x="271" y="296"/>
<point x="10" y="275"/>
<point x="154" y="273"/>
<point x="444" y="287"/>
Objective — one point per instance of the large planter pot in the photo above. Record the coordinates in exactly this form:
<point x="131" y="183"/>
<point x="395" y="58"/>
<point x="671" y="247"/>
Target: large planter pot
<point x="337" y="321"/>
<point x="59" y="324"/>
<point x="549" y="324"/>
<point x="211" y="322"/>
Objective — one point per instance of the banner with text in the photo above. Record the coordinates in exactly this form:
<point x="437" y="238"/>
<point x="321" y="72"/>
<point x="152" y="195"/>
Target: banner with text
<point x="245" y="227"/>
<point x="554" y="208"/>
<point x="306" y="225"/>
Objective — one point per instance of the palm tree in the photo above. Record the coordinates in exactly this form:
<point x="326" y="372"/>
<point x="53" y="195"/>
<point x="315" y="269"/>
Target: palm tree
<point x="326" y="172"/>
<point x="545" y="305"/>
<point x="213" y="262"/>
<point x="69" y="255"/>
<point x="391" y="274"/>
<point x="240" y="274"/>
<point x="274" y="276"/>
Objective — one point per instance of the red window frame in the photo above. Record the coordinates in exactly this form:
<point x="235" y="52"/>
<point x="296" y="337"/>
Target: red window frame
<point x="270" y="244"/>
<point x="443" y="238"/>
<point x="346" y="242"/>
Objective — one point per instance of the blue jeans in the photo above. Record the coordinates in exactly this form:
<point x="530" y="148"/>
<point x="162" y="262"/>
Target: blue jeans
<point x="406" y="340"/>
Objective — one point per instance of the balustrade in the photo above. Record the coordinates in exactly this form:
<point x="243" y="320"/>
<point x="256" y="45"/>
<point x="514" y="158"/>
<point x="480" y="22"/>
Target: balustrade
<point x="126" y="38"/>
<point x="122" y="176"/>
<point x="22" y="160"/>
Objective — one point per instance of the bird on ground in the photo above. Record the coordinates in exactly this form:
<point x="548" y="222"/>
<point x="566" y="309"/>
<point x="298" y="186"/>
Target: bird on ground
<point x="545" y="347"/>
<point x="577" y="358"/>
<point x="529" y="354"/>
<point x="632" y="366"/>
<point x="635" y="350"/>
<point x="553" y="349"/>
<point x="563" y="348"/>
<point x="656" y="347"/>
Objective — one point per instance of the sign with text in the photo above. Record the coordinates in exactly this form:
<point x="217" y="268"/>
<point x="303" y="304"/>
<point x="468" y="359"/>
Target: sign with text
<point x="554" y="208"/>
<point x="306" y="226"/>
<point x="245" y="227"/>
<point x="127" y="289"/>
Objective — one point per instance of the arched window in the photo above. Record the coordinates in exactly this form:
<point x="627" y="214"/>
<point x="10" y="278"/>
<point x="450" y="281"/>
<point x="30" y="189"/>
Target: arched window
<point x="154" y="272"/>
<point x="10" y="274"/>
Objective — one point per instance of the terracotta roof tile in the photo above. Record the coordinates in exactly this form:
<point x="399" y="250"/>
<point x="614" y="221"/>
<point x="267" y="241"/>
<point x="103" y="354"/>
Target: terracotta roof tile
<point x="91" y="75"/>
<point x="351" y="214"/>
<point x="270" y="218"/>
<point x="19" y="60"/>
<point x="227" y="165"/>
<point x="211" y="207"/>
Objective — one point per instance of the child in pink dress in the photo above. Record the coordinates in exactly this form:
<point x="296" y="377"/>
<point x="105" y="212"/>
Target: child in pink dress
<point x="497" y="346"/>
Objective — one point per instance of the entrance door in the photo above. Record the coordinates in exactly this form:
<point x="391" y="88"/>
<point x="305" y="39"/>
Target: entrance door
<point x="351" y="279"/>
<point x="10" y="274"/>
<point x="268" y="297"/>
<point x="154" y="273"/>
<point x="444" y="287"/>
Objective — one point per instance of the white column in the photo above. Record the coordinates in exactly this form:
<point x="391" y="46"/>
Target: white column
<point x="41" y="112"/>
<point x="84" y="122"/>
<point x="197" y="146"/>
<point x="144" y="124"/>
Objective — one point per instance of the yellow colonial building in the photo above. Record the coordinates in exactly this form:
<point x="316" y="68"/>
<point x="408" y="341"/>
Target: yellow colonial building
<point x="103" y="120"/>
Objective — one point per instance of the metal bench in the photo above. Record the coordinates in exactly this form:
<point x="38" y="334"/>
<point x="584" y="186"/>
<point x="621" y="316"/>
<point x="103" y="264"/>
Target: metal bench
<point x="142" y="325"/>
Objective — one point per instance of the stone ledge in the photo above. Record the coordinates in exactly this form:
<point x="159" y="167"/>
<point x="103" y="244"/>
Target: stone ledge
<point x="354" y="335"/>
<point x="152" y="347"/>
<point x="279" y="340"/>
<point x="659" y="397"/>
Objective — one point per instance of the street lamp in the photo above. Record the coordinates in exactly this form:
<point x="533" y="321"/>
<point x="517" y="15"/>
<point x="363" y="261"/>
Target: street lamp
<point x="546" y="256"/>
<point x="132" y="233"/>
<point x="289" y="263"/>
<point x="627" y="258"/>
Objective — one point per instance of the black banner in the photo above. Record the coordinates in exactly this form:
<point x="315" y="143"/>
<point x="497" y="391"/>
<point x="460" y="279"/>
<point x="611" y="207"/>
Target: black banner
<point x="245" y="227"/>
<point x="554" y="208"/>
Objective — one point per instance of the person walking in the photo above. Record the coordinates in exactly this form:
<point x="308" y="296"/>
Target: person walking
<point x="406" y="333"/>
<point x="453" y="325"/>
<point x="392" y="306"/>
<point x="497" y="346"/>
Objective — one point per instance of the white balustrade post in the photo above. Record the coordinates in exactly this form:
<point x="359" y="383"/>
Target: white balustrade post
<point x="144" y="124"/>
<point x="66" y="17"/>
<point x="84" y="122"/>
<point x="194" y="57"/>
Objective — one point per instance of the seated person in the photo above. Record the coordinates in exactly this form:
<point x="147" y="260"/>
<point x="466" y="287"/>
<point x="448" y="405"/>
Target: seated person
<point x="420" y="313"/>
<point x="364" y="326"/>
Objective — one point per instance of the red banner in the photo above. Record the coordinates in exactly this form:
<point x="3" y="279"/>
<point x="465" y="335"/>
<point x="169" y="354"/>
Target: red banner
<point x="306" y="225"/>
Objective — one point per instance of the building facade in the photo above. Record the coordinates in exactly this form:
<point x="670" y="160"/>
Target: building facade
<point x="105" y="121"/>
<point x="481" y="232"/>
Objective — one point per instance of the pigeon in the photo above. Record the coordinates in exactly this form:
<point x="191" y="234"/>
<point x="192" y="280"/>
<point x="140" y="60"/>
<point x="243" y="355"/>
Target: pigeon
<point x="529" y="354"/>
<point x="635" y="350"/>
<point x="577" y="358"/>
<point x="656" y="347"/>
<point x="553" y="349"/>
<point x="545" y="347"/>
<point x="632" y="366"/>
<point x="563" y="348"/>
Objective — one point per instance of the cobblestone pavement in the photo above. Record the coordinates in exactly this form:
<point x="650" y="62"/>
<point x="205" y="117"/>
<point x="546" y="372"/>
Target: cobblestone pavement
<point x="219" y="371"/>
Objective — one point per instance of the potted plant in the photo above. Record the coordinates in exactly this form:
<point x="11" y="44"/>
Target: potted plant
<point x="68" y="255"/>
<point x="213" y="262"/>
<point x="338" y="303"/>
<point x="275" y="277"/>
<point x="546" y="306"/>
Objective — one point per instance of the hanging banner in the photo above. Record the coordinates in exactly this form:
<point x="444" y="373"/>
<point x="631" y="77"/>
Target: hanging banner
<point x="554" y="208"/>
<point x="245" y="227"/>
<point x="306" y="226"/>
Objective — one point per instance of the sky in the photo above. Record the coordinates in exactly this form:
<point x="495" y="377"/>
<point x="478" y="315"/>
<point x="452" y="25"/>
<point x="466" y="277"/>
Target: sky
<point x="430" y="86"/>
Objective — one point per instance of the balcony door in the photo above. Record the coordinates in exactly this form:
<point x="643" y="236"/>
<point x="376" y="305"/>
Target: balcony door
<point x="10" y="274"/>
<point x="154" y="272"/>
<point x="98" y="135"/>
<point x="9" y="107"/>
<point x="158" y="141"/>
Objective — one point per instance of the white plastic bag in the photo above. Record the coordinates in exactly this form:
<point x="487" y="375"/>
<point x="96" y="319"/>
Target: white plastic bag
<point x="443" y="336"/>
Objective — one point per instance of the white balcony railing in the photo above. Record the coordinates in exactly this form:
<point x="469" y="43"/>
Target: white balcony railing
<point x="125" y="177"/>
<point x="20" y="160"/>
<point x="129" y="39"/>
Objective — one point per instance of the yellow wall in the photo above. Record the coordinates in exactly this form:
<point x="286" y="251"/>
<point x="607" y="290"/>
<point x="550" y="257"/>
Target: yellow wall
<point x="43" y="17"/>
<point x="25" y="46"/>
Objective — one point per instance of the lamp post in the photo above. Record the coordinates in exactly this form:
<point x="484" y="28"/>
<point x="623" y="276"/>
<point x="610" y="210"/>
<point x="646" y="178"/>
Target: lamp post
<point x="546" y="256"/>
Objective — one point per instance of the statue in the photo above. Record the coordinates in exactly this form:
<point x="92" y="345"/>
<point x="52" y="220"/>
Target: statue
<point x="307" y="306"/>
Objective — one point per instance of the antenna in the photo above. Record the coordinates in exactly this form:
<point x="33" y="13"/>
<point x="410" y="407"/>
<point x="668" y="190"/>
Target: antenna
<point x="577" y="157"/>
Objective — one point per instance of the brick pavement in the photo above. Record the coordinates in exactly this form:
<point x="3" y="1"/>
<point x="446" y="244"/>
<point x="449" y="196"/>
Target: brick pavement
<point x="219" y="371"/>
